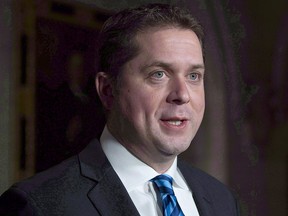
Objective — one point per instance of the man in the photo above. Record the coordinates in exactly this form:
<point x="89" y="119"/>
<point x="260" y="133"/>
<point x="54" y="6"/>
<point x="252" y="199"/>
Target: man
<point x="152" y="88"/>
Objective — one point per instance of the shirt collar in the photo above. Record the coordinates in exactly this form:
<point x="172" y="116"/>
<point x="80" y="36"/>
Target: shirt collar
<point x="132" y="171"/>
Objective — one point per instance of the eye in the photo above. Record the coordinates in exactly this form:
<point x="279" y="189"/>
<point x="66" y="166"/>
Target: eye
<point x="158" y="74"/>
<point x="194" y="76"/>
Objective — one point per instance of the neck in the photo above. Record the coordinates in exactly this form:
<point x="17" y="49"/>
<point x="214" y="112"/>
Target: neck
<point x="160" y="163"/>
<point x="160" y="168"/>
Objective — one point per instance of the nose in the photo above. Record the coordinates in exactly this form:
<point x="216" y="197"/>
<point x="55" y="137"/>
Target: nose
<point x="178" y="92"/>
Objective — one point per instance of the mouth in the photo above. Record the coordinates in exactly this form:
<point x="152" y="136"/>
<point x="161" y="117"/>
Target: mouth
<point x="174" y="123"/>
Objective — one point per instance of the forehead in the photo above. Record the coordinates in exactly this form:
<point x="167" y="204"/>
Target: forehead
<point x="156" y="35"/>
<point x="170" y="44"/>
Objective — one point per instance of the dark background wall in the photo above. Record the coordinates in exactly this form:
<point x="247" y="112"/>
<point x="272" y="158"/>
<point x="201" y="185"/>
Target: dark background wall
<point x="244" y="135"/>
<point x="260" y="160"/>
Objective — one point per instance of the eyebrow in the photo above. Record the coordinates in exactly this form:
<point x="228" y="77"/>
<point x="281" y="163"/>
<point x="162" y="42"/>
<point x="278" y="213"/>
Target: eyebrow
<point x="168" y="65"/>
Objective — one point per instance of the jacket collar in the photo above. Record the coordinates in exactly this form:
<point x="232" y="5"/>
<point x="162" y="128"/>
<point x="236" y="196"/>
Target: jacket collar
<point x="200" y="194"/>
<point x="108" y="195"/>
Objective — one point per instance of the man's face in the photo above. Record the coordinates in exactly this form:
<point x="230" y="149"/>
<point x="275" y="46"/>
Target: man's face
<point x="159" y="105"/>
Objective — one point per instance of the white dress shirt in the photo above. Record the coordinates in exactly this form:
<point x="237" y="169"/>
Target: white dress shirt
<point x="135" y="176"/>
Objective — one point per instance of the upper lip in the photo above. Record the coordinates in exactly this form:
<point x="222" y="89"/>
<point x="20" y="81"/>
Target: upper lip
<point x="176" y="115"/>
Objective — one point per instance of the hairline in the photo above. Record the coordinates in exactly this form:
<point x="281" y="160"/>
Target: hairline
<point x="137" y="45"/>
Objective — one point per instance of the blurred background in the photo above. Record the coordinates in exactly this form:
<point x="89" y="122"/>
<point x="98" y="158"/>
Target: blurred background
<point x="49" y="109"/>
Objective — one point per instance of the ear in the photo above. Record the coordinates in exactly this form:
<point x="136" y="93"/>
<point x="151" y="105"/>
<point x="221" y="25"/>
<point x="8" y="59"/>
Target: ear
<point x="104" y="89"/>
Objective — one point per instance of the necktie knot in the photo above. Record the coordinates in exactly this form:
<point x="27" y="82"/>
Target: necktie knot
<point x="164" y="184"/>
<point x="170" y="205"/>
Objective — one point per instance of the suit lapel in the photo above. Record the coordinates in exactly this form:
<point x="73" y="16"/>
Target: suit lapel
<point x="200" y="194"/>
<point x="111" y="198"/>
<point x="108" y="195"/>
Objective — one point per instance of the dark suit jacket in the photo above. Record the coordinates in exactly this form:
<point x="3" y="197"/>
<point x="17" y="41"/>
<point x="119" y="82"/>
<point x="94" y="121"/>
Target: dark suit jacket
<point x="86" y="184"/>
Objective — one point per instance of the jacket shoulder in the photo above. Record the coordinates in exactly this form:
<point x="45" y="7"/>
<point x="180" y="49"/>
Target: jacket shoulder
<point x="205" y="186"/>
<point x="45" y="190"/>
<point x="202" y="177"/>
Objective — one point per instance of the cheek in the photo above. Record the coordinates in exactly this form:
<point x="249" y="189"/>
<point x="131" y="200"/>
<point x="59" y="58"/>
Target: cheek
<point x="140" y="103"/>
<point x="198" y="101"/>
<point x="130" y="101"/>
<point x="201" y="104"/>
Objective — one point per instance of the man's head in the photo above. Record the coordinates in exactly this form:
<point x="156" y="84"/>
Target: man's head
<point x="117" y="43"/>
<point x="158" y="104"/>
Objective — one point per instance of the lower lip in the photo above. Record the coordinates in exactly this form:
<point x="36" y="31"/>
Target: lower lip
<point x="172" y="126"/>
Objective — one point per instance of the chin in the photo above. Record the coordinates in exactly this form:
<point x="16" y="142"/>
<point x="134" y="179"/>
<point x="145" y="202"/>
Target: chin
<point x="176" y="148"/>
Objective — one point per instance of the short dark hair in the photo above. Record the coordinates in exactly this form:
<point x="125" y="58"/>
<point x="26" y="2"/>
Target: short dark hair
<point x="116" y="40"/>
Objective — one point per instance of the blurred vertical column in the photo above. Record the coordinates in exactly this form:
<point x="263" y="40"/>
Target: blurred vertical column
<point x="8" y="67"/>
<point x="17" y="84"/>
<point x="25" y="91"/>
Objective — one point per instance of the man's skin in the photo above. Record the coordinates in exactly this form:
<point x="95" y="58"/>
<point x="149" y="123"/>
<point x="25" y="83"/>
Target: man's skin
<point x="158" y="106"/>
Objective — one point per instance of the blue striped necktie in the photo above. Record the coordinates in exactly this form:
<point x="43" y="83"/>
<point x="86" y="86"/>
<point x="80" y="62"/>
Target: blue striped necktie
<point x="170" y="205"/>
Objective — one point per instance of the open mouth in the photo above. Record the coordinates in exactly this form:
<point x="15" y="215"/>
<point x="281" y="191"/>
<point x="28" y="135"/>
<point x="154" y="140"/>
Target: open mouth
<point x="174" y="123"/>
